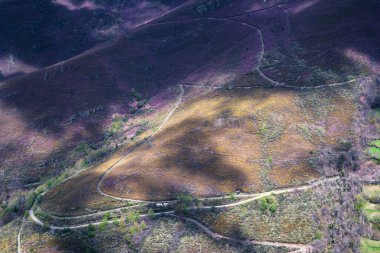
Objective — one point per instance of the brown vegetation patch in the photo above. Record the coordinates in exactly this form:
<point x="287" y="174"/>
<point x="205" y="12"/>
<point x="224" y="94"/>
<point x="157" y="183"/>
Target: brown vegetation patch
<point x="225" y="142"/>
<point x="296" y="173"/>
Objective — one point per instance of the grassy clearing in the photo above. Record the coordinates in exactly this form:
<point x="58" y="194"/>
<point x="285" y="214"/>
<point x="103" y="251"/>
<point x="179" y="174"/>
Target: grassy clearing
<point x="372" y="213"/>
<point x="371" y="208"/>
<point x="373" y="151"/>
<point x="372" y="193"/>
<point x="369" y="246"/>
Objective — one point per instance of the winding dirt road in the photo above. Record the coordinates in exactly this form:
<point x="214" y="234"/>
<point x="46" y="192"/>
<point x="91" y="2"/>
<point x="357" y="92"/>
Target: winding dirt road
<point x="166" y="119"/>
<point x="300" y="247"/>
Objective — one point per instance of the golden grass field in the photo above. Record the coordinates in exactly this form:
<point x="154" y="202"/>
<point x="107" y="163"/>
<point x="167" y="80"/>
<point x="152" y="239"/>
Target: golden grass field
<point x="241" y="139"/>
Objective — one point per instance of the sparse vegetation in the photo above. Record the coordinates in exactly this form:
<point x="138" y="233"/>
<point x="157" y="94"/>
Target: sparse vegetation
<point x="373" y="151"/>
<point x="272" y="95"/>
<point x="209" y="5"/>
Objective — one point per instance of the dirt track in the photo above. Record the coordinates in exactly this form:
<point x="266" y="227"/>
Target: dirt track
<point x="300" y="247"/>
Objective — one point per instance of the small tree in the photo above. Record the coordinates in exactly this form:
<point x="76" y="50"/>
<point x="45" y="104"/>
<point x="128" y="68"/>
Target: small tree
<point x="91" y="231"/>
<point x="132" y="217"/>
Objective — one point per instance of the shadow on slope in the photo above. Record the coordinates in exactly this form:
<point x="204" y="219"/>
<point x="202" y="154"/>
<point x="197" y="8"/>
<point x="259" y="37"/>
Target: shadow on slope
<point x="40" y="33"/>
<point x="52" y="109"/>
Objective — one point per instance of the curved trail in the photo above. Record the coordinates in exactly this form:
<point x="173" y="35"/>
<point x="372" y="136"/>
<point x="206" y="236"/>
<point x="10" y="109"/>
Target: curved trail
<point x="19" y="249"/>
<point x="254" y="197"/>
<point x="301" y="248"/>
<point x="166" y="119"/>
<point x="257" y="68"/>
<point x="260" y="57"/>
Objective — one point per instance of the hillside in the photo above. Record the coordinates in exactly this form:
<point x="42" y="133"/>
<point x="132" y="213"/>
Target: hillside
<point x="170" y="126"/>
<point x="37" y="34"/>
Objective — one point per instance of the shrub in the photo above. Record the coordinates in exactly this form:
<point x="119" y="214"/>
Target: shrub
<point x="125" y="118"/>
<point x="138" y="96"/>
<point x="98" y="154"/>
<point x="82" y="147"/>
<point x="134" y="228"/>
<point x="91" y="231"/>
<point x="89" y="249"/>
<point x="30" y="198"/>
<point x="359" y="203"/>
<point x="132" y="110"/>
<point x="116" y="125"/>
<point x="232" y="196"/>
<point x="103" y="225"/>
<point x="128" y="238"/>
<point x="132" y="217"/>
<point x="273" y="207"/>
<point x="263" y="204"/>
<point x="268" y="203"/>
<point x="184" y="202"/>
<point x="40" y="189"/>
<point x="150" y="213"/>
<point x="42" y="215"/>
<point x="66" y="231"/>
<point x="116" y="221"/>
<point x="107" y="216"/>
<point x="143" y="225"/>
<point x="319" y="235"/>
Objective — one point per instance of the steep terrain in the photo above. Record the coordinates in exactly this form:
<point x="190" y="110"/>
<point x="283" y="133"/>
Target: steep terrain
<point x="243" y="122"/>
<point x="37" y="34"/>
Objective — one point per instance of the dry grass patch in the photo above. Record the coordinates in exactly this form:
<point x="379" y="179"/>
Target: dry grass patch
<point x="228" y="140"/>
<point x="290" y="221"/>
<point x="292" y="173"/>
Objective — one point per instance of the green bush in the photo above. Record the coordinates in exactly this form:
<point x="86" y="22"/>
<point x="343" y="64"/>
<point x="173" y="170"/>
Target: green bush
<point x="107" y="216"/>
<point x="42" y="215"/>
<point x="319" y="235"/>
<point x="142" y="225"/>
<point x="116" y="221"/>
<point x="359" y="203"/>
<point x="116" y="125"/>
<point x="98" y="154"/>
<point x="263" y="204"/>
<point x="373" y="151"/>
<point x="82" y="147"/>
<point x="91" y="231"/>
<point x="132" y="217"/>
<point x="272" y="207"/>
<point x="40" y="189"/>
<point x="185" y="202"/>
<point x="268" y="203"/>
<point x="134" y="228"/>
<point x="103" y="225"/>
<point x="150" y="213"/>
<point x="30" y="198"/>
